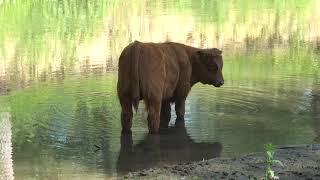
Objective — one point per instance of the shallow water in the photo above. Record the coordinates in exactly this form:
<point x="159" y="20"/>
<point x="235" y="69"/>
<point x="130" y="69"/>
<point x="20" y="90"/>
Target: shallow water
<point x="60" y="114"/>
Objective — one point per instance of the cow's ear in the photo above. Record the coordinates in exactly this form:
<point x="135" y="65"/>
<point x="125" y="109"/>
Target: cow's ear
<point x="197" y="55"/>
<point x="216" y="52"/>
<point x="205" y="57"/>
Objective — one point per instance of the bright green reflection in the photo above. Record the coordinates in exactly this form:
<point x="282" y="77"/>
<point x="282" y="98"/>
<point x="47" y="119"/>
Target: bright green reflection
<point x="55" y="58"/>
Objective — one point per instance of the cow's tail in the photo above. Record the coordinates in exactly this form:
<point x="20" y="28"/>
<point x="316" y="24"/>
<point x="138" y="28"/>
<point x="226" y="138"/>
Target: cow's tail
<point x="135" y="79"/>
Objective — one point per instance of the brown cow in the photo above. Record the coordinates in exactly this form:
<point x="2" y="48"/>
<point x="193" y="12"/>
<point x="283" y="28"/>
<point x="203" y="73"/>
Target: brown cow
<point x="161" y="73"/>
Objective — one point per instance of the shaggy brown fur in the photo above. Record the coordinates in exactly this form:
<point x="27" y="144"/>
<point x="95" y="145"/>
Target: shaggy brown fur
<point x="160" y="73"/>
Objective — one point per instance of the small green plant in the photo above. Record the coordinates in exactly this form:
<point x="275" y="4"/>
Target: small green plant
<point x="269" y="174"/>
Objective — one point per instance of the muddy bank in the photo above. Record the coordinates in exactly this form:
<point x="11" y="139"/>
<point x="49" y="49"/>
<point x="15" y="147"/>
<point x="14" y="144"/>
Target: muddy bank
<point x="300" y="162"/>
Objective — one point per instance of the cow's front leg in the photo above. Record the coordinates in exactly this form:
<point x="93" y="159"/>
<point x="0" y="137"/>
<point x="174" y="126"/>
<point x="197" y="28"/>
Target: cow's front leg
<point x="180" y="108"/>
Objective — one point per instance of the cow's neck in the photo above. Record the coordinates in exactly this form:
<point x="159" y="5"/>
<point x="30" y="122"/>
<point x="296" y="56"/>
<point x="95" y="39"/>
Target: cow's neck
<point x="194" y="63"/>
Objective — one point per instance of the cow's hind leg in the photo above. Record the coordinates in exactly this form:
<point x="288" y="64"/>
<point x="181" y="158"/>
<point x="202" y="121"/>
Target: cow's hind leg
<point x="154" y="108"/>
<point x="165" y="114"/>
<point x="180" y="108"/>
<point x="126" y="115"/>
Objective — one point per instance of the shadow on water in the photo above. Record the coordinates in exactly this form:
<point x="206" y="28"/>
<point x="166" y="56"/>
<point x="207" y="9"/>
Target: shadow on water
<point x="172" y="145"/>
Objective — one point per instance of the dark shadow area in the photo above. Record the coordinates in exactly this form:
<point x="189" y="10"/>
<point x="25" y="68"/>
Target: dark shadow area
<point x="171" y="146"/>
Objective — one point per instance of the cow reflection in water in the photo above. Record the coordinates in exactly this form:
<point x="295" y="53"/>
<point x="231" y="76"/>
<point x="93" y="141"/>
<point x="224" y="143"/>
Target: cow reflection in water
<point x="172" y="145"/>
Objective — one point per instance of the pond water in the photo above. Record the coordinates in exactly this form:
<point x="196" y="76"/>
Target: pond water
<point x="59" y="114"/>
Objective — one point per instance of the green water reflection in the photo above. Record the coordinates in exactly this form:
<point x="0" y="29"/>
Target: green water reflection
<point x="57" y="81"/>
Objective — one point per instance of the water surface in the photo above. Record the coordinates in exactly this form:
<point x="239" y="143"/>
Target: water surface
<point x="58" y="60"/>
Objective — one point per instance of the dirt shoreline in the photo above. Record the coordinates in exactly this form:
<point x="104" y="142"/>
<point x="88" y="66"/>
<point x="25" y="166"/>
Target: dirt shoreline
<point x="300" y="162"/>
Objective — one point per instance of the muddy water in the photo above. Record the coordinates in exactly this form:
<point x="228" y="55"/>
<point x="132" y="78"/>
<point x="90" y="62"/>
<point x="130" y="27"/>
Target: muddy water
<point x="58" y="63"/>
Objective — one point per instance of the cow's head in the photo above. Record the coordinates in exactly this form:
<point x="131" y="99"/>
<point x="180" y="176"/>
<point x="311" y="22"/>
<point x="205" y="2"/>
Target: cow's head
<point x="207" y="66"/>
